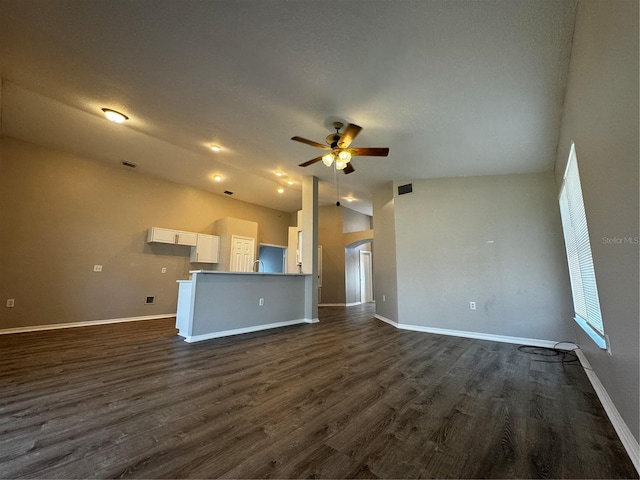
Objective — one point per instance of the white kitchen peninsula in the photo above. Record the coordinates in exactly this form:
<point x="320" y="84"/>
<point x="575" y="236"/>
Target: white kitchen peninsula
<point x="218" y="304"/>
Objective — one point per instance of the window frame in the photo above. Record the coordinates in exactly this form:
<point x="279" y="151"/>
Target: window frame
<point x="584" y="289"/>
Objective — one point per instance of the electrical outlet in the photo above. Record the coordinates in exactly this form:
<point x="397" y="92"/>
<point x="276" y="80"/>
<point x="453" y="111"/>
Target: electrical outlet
<point x="472" y="305"/>
<point x="97" y="268"/>
<point x="11" y="302"/>
<point x="261" y="302"/>
<point x="164" y="270"/>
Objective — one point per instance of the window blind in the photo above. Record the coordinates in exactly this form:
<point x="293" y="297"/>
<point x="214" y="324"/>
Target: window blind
<point x="580" y="260"/>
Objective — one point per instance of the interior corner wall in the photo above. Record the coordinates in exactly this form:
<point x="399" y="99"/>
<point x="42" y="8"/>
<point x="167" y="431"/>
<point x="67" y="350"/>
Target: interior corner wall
<point x="353" y="221"/>
<point x="61" y="214"/>
<point x="601" y="117"/>
<point x="493" y="240"/>
<point x="333" y="254"/>
<point x="385" y="272"/>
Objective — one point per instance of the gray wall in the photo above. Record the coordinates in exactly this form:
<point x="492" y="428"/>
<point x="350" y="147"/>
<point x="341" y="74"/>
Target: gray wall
<point x="601" y="117"/>
<point x="353" y="221"/>
<point x="61" y="214"/>
<point x="228" y="302"/>
<point x="384" y="262"/>
<point x="333" y="254"/>
<point x="494" y="240"/>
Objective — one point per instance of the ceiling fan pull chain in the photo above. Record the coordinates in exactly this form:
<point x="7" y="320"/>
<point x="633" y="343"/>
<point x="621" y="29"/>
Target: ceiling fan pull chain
<point x="336" y="181"/>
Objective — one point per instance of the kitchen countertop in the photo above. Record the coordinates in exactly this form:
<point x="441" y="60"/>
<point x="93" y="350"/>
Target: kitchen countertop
<point x="217" y="272"/>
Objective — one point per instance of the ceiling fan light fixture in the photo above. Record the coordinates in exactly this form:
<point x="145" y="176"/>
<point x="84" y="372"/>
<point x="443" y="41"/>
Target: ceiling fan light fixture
<point x="328" y="159"/>
<point x="114" y="116"/>
<point x="345" y="156"/>
<point x="340" y="164"/>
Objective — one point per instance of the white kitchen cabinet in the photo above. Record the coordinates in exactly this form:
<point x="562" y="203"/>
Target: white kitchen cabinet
<point x="167" y="235"/>
<point x="206" y="249"/>
<point x="186" y="238"/>
<point x="161" y="235"/>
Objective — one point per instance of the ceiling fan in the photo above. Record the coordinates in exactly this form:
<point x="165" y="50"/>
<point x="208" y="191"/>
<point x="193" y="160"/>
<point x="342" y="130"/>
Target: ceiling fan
<point x="338" y="148"/>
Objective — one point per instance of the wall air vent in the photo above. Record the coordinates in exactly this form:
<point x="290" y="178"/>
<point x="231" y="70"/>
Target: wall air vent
<point x="129" y="164"/>
<point x="227" y="192"/>
<point x="150" y="300"/>
<point x="402" y="189"/>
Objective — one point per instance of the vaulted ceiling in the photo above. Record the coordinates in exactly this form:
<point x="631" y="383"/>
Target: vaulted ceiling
<point x="452" y="87"/>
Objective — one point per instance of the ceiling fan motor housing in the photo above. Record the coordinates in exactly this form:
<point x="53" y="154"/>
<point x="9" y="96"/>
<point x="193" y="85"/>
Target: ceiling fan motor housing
<point x="332" y="139"/>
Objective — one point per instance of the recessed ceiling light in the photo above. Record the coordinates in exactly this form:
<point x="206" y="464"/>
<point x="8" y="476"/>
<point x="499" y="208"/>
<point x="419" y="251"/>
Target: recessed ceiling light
<point x="279" y="174"/>
<point x="217" y="178"/>
<point x="215" y="148"/>
<point x="349" y="199"/>
<point x="280" y="190"/>
<point x="114" y="116"/>
<point x="290" y="182"/>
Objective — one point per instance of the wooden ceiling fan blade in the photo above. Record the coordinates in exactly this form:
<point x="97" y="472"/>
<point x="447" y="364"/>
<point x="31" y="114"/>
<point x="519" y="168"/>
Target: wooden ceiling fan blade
<point x="349" y="168"/>
<point x="311" y="162"/>
<point x="349" y="134"/>
<point x="311" y="142"/>
<point x="369" y="152"/>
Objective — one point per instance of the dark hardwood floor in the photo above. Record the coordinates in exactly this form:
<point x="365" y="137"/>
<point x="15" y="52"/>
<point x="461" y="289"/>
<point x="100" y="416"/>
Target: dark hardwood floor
<point x="349" y="397"/>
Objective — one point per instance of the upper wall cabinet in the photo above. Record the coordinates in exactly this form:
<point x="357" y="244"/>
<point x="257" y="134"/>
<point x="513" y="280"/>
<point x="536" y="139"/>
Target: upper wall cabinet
<point x="206" y="249"/>
<point x="187" y="238"/>
<point x="161" y="235"/>
<point x="176" y="237"/>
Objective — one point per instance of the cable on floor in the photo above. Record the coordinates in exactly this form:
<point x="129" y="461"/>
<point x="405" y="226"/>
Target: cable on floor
<point x="567" y="357"/>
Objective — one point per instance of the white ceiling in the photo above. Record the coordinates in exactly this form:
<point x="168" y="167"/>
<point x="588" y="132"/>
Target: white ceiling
<point x="452" y="87"/>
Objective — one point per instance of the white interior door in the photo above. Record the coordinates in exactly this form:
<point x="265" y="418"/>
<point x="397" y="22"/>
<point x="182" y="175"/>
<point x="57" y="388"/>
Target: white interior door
<point x="366" y="284"/>
<point x="242" y="253"/>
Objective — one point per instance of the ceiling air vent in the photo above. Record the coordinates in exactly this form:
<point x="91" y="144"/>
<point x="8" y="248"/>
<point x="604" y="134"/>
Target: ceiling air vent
<point x="129" y="164"/>
<point x="227" y="192"/>
<point x="402" y="189"/>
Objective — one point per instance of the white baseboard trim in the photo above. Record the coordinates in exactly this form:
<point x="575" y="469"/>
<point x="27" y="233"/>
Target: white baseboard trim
<point x="90" y="323"/>
<point x="339" y="304"/>
<point x="311" y="320"/>
<point x="476" y="335"/>
<point x="386" y="320"/>
<point x="239" y="331"/>
<point x="630" y="444"/>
